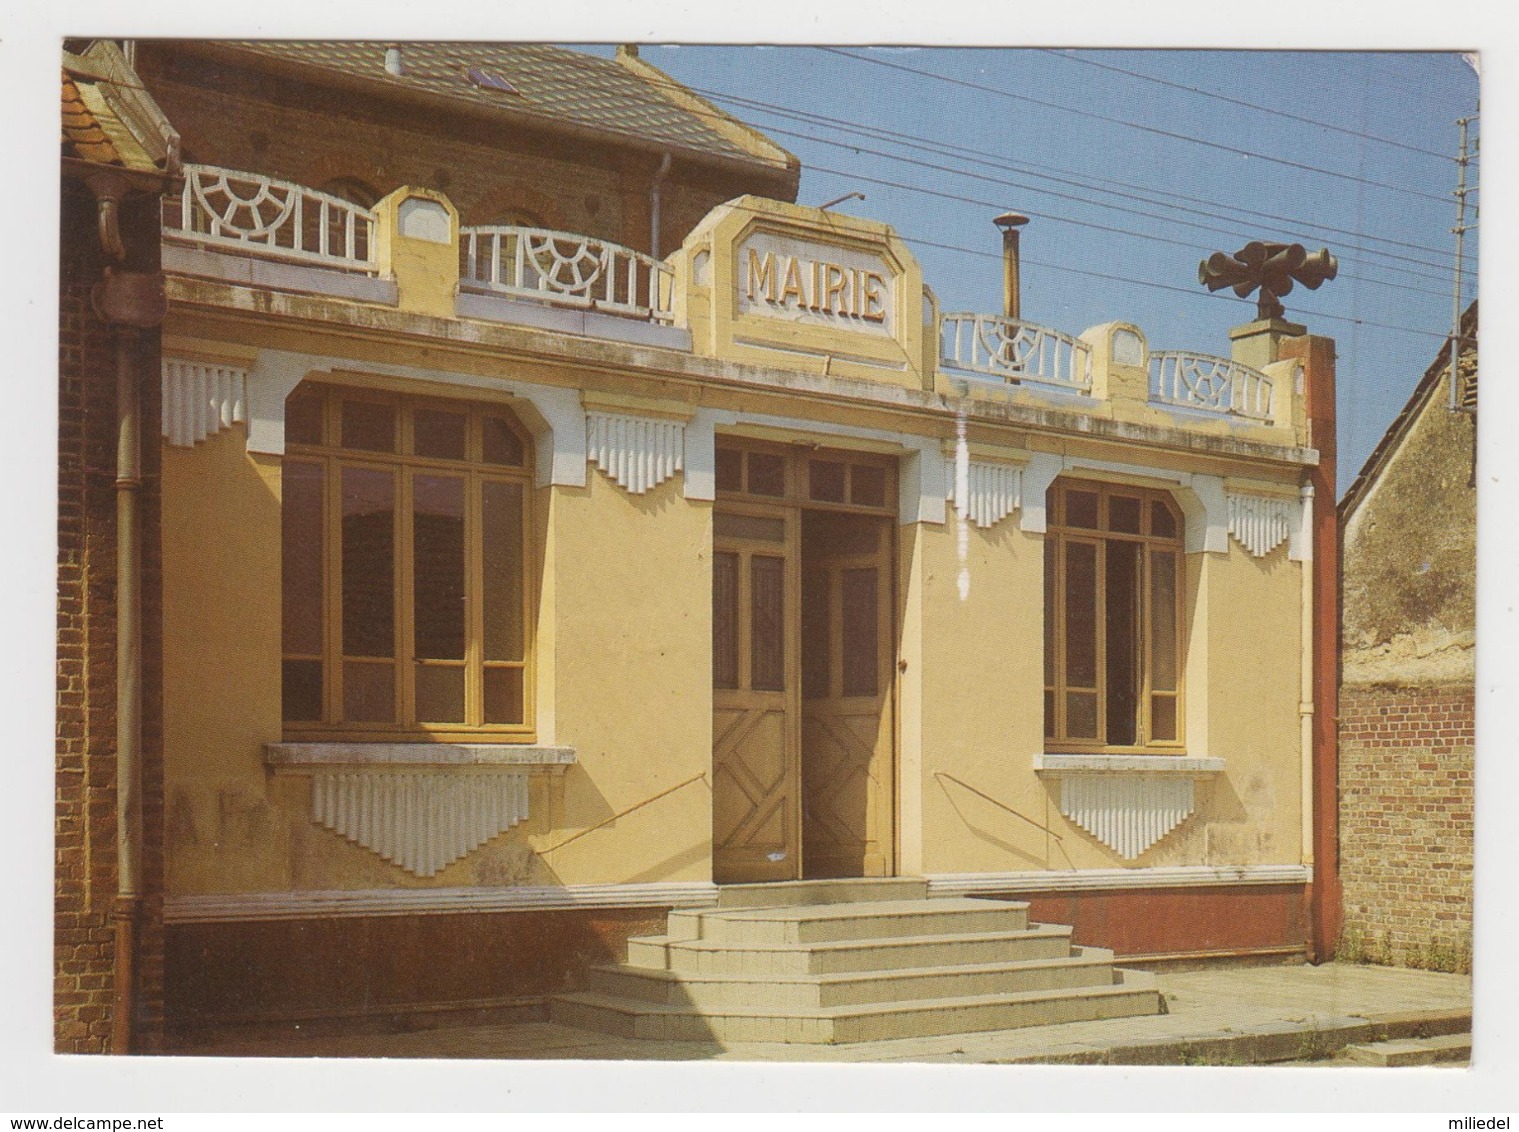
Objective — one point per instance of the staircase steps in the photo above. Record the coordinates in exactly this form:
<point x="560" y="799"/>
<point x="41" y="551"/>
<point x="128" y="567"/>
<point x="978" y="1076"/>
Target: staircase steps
<point x="1397" y="1052"/>
<point x="851" y="961"/>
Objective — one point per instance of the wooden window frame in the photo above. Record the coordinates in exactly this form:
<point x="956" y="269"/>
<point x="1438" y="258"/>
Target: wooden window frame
<point x="797" y="463"/>
<point x="405" y="465"/>
<point x="1058" y="537"/>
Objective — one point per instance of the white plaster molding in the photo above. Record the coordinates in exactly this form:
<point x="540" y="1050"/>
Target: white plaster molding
<point x="923" y="473"/>
<point x="1122" y="764"/>
<point x="299" y="755"/>
<point x="200" y="399"/>
<point x="1043" y="469"/>
<point x="1300" y="540"/>
<point x="1127" y="812"/>
<point x="637" y="452"/>
<point x="1202" y="498"/>
<point x="421" y="820"/>
<point x="554" y="414"/>
<point x="1088" y="880"/>
<point x="330" y="904"/>
<point x="1260" y="523"/>
<point x="991" y="492"/>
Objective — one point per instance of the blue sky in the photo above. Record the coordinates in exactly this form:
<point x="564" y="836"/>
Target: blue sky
<point x="1131" y="180"/>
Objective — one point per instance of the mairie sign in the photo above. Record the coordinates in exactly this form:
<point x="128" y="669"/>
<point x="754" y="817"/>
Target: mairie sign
<point x="813" y="283"/>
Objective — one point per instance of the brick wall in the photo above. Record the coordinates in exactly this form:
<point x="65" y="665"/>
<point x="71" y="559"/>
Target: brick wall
<point x="85" y="791"/>
<point x="1406" y="831"/>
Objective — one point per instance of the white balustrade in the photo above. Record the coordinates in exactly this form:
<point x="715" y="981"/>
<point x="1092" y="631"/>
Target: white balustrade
<point x="1210" y="384"/>
<point x="1015" y="351"/>
<point x="566" y="270"/>
<point x="257" y="215"/>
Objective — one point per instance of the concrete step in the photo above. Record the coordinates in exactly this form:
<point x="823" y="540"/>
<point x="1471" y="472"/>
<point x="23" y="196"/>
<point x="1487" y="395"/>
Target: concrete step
<point x="1091" y="967"/>
<point x="711" y="957"/>
<point x="827" y="923"/>
<point x="1411" y="1051"/>
<point x="1133" y="993"/>
<point x="845" y="891"/>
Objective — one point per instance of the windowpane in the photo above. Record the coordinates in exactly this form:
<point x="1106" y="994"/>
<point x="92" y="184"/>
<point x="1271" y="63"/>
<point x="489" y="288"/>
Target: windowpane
<point x="1163" y="628"/>
<point x="504" y="702"/>
<point x="1051" y="555"/>
<point x="502" y="527"/>
<point x="867" y="485"/>
<point x="860" y="632"/>
<point x="1081" y="715"/>
<point x="438" y="569"/>
<point x="816" y="634"/>
<point x="1049" y="713"/>
<point x="757" y="528"/>
<point x="1122" y="642"/>
<point x="439" y="434"/>
<point x="369" y="694"/>
<point x="500" y="443"/>
<point x="826" y="481"/>
<point x="1081" y="614"/>
<point x="301" y="691"/>
<point x="1162" y="521"/>
<point x="440" y="693"/>
<point x="767" y="474"/>
<point x="368" y="506"/>
<point x="1081" y="509"/>
<point x="301" y="557"/>
<point x="724" y="620"/>
<point x="1124" y="513"/>
<point x="1163" y="718"/>
<point x="303" y="416"/>
<point x="730" y="470"/>
<point x="369" y="426"/>
<point x="767" y="642"/>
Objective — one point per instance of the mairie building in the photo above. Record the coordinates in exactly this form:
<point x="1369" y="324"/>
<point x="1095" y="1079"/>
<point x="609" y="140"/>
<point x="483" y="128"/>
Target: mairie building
<point x="556" y="526"/>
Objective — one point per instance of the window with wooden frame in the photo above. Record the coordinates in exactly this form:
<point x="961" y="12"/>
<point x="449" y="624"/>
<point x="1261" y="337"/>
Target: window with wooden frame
<point x="1113" y="576"/>
<point x="406" y="589"/>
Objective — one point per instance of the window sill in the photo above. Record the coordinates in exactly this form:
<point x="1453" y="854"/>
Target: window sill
<point x="1125" y="764"/>
<point x="315" y="755"/>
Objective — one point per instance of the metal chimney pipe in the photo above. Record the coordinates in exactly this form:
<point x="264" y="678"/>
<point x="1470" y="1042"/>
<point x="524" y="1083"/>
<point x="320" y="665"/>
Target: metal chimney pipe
<point x="395" y="62"/>
<point x="1010" y="222"/>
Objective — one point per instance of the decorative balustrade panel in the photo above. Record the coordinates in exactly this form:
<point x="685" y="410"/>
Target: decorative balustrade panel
<point x="200" y="399"/>
<point x="421" y="820"/>
<point x="567" y="270"/>
<point x="1015" y="351"/>
<point x="261" y="216"/>
<point x="989" y="493"/>
<point x="1214" y="385"/>
<point x="1127" y="813"/>
<point x="638" y="452"/>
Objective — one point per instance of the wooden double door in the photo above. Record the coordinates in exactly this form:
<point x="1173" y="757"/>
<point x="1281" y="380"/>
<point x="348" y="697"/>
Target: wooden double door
<point x="804" y="726"/>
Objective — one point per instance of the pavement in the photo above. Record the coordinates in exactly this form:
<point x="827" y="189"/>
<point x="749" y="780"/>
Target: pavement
<point x="1228" y="1016"/>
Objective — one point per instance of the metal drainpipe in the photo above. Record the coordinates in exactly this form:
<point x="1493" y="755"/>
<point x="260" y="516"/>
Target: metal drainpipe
<point x="654" y="202"/>
<point x="1305" y="696"/>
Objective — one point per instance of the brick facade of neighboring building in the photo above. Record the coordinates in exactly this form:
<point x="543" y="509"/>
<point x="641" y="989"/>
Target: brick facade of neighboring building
<point x="85" y="861"/>
<point x="1407" y="703"/>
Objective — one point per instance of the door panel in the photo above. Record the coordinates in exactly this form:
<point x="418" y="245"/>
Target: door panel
<point x="755" y="742"/>
<point x="848" y="777"/>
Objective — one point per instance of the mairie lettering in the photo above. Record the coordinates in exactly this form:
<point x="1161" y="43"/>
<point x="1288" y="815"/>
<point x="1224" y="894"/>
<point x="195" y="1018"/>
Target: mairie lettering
<point x="815" y="285"/>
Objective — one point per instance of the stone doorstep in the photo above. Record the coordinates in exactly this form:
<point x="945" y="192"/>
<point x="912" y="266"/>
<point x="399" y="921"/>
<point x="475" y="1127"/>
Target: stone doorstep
<point x="1443" y="1049"/>
<point x="1260" y="1044"/>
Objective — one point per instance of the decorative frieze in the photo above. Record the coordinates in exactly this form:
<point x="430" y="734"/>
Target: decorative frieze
<point x="200" y="399"/>
<point x="421" y="820"/>
<point x="1127" y="813"/>
<point x="1260" y="523"/>
<point x="638" y="452"/>
<point x="1097" y="880"/>
<point x="990" y="492"/>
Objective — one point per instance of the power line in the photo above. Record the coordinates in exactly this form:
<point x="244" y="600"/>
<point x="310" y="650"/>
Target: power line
<point x="1130" y="125"/>
<point x="1035" y="169"/>
<point x="1075" y="58"/>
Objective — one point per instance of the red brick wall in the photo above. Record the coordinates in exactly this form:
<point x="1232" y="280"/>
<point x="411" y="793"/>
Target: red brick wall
<point x="85" y="791"/>
<point x="1406" y="805"/>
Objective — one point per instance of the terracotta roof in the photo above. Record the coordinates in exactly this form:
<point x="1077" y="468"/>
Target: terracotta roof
<point x="106" y="116"/>
<point x="621" y="96"/>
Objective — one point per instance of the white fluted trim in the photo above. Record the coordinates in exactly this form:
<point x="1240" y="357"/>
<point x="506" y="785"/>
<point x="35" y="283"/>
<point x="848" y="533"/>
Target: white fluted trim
<point x="231" y="907"/>
<point x="200" y="399"/>
<point x="637" y="452"/>
<point x="992" y="492"/>
<point x="1128" y="813"/>
<point x="1259" y="523"/>
<point x="1088" y="880"/>
<point x="422" y="821"/>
